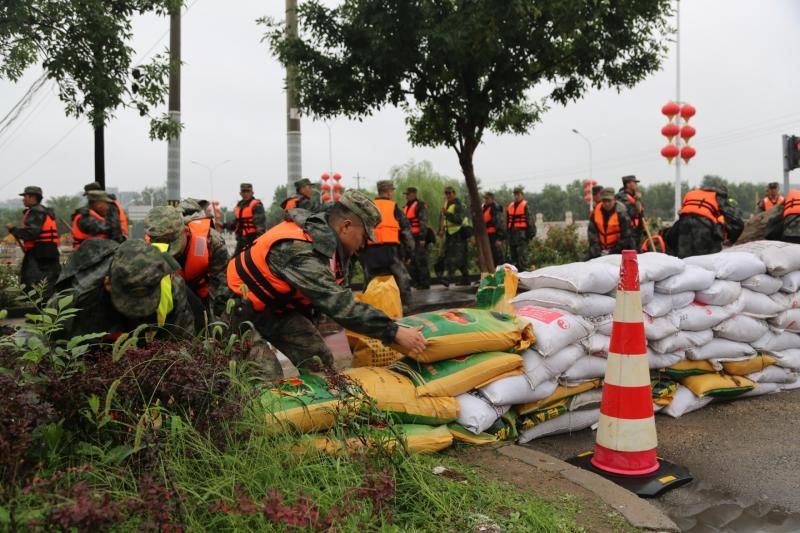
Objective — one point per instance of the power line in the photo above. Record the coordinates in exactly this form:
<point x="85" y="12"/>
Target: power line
<point x="12" y="135"/>
<point x="23" y="102"/>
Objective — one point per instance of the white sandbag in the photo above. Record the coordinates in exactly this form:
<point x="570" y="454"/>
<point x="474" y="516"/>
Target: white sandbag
<point x="760" y="390"/>
<point x="763" y="283"/>
<point x="566" y="423"/>
<point x="586" y="368"/>
<point x="685" y="402"/>
<point x="554" y="329"/>
<point x="657" y="361"/>
<point x="697" y="316"/>
<point x="791" y="386"/>
<point x="694" y="278"/>
<point x="653" y="266"/>
<point x="779" y="257"/>
<point x="788" y="320"/>
<point x="476" y="413"/>
<point x="647" y="292"/>
<point x="540" y="369"/>
<point x="773" y="374"/>
<point x="597" y="345"/>
<point x="791" y="282"/>
<point x="681" y="341"/>
<point x="776" y="342"/>
<point x="741" y="328"/>
<point x="719" y="348"/>
<point x="759" y="305"/>
<point x="591" y="399"/>
<point x="587" y="304"/>
<point x="721" y="292"/>
<point x="595" y="277"/>
<point x="515" y="390"/>
<point x="787" y="300"/>
<point x="732" y="266"/>
<point x="659" y="327"/>
<point x="602" y="324"/>
<point x="663" y="304"/>
<point x="788" y="359"/>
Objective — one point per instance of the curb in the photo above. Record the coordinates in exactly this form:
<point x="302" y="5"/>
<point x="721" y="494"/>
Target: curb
<point x="638" y="512"/>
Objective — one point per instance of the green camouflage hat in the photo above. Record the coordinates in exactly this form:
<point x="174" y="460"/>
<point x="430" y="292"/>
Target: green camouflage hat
<point x="98" y="196"/>
<point x="93" y="186"/>
<point x="246" y="187"/>
<point x="364" y="208"/>
<point x="519" y="190"/>
<point x="607" y="194"/>
<point x="135" y="275"/>
<point x="32" y="189"/>
<point x="449" y="189"/>
<point x="385" y="185"/>
<point x="301" y="183"/>
<point x="165" y="224"/>
<point x="190" y="206"/>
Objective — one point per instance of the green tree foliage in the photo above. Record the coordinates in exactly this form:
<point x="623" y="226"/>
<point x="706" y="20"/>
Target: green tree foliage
<point x="430" y="186"/>
<point x="461" y="68"/>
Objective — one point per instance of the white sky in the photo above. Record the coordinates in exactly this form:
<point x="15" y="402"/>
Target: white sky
<point x="739" y="69"/>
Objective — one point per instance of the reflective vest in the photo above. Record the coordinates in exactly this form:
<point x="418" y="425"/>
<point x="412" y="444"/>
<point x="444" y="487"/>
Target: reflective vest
<point x="654" y="244"/>
<point x="388" y="230"/>
<point x="608" y="231"/>
<point x="449" y="227"/>
<point x="165" y="301"/>
<point x="195" y="267"/>
<point x="704" y="204"/>
<point x="123" y="218"/>
<point x="516" y="215"/>
<point x="410" y="211"/>
<point x="291" y="203"/>
<point x="244" y="218"/>
<point x="769" y="204"/>
<point x="78" y="236"/>
<point x="48" y="233"/>
<point x="487" y="219"/>
<point x="637" y="220"/>
<point x="792" y="204"/>
<point x="249" y="273"/>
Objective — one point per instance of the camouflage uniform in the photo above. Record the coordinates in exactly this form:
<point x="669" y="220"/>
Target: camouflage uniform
<point x="496" y="239"/>
<point x="113" y="217"/>
<point x="635" y="215"/>
<point x="42" y="261"/>
<point x="519" y="241"/>
<point x="625" y="241"/>
<point x="454" y="252"/>
<point x="697" y="235"/>
<point x="418" y="262"/>
<point x="306" y="266"/>
<point x="135" y="270"/>
<point x="259" y="221"/>
<point x="110" y="226"/>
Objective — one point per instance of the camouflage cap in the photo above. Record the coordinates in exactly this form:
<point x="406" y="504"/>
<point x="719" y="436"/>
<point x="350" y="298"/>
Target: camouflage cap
<point x="628" y="179"/>
<point x="773" y="185"/>
<point x="301" y="183"/>
<point x="98" y="196"/>
<point x="411" y="189"/>
<point x="135" y="275"/>
<point x="190" y="206"/>
<point x="165" y="224"/>
<point x="364" y="208"/>
<point x="93" y="186"/>
<point x="518" y="189"/>
<point x="607" y="194"/>
<point x="385" y="185"/>
<point x="246" y="187"/>
<point x="32" y="189"/>
<point x="488" y="194"/>
<point x="597" y="189"/>
<point x="449" y="189"/>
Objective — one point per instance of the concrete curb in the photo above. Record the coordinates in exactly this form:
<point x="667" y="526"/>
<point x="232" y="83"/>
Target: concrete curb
<point x="638" y="512"/>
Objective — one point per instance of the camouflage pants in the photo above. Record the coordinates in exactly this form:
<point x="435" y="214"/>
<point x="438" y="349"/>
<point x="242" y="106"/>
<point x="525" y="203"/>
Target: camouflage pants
<point x="35" y="270"/>
<point x="498" y="254"/>
<point x="384" y="260"/>
<point x="453" y="258"/>
<point x="418" y="266"/>
<point x="519" y="250"/>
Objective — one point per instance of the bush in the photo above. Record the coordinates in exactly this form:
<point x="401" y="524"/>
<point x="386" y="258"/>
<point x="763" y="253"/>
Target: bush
<point x="562" y="245"/>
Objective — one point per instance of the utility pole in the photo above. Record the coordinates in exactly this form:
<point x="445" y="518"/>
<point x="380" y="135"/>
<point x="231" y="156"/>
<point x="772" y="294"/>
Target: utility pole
<point x="678" y="192"/>
<point x="358" y="181"/>
<point x="100" y="156"/>
<point x="174" y="144"/>
<point x="293" y="146"/>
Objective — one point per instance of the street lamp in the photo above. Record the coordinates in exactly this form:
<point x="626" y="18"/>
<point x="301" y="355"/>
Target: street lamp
<point x="330" y="149"/>
<point x="211" y="175"/>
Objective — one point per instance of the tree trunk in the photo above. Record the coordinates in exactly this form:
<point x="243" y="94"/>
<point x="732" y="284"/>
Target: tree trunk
<point x="485" y="260"/>
<point x="100" y="156"/>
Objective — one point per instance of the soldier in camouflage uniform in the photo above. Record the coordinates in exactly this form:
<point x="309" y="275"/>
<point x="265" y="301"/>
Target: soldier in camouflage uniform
<point x="115" y="212"/>
<point x="610" y="229"/>
<point x="96" y="220"/>
<point x="304" y="199"/>
<point x="454" y="251"/>
<point x="416" y="211"/>
<point x="119" y="287"/>
<point x="250" y="218"/>
<point x="521" y="229"/>
<point x="199" y="250"/>
<point x="708" y="219"/>
<point x="493" y="218"/>
<point x="296" y="270"/>
<point x="39" y="238"/>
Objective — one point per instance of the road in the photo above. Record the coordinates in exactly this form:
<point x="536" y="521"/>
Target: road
<point x="743" y="455"/>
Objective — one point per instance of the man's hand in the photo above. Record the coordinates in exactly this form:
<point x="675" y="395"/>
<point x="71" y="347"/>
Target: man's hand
<point x="410" y="339"/>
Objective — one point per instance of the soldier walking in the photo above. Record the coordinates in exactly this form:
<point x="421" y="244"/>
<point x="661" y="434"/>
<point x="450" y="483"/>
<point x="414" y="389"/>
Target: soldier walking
<point x="521" y="229"/>
<point x="250" y="219"/>
<point x="455" y="229"/>
<point x="417" y="214"/>
<point x="493" y="218"/>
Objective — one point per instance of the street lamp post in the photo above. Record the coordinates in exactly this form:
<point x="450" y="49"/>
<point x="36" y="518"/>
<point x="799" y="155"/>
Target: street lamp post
<point x="591" y="178"/>
<point x="330" y="149"/>
<point x="211" y="175"/>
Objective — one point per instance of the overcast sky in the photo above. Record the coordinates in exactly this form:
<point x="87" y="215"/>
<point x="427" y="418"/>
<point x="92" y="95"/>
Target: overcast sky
<point x="739" y="68"/>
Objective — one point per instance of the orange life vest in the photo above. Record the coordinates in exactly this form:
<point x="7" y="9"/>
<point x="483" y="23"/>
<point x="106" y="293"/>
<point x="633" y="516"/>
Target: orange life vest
<point x="637" y="220"/>
<point x="704" y="204"/>
<point x="654" y="244"/>
<point x="47" y="235"/>
<point x="244" y="218"/>
<point x="769" y="204"/>
<point x="195" y="267"/>
<point x="487" y="219"/>
<point x="792" y="204"/>
<point x="607" y="231"/>
<point x="516" y="215"/>
<point x="388" y="230"/>
<point x="78" y="235"/>
<point x="123" y="218"/>
<point x="410" y="211"/>
<point x="264" y="289"/>
<point x="291" y="203"/>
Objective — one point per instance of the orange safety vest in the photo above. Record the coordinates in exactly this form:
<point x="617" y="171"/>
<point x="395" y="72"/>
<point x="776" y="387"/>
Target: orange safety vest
<point x="704" y="204"/>
<point x="47" y="235"/>
<point x="769" y="204"/>
<point x="291" y="203"/>
<point x="123" y="218"/>
<point x="264" y="289"/>
<point x="487" y="219"/>
<point x="636" y="221"/>
<point x="410" y="211"/>
<point x="388" y="230"/>
<point x="516" y="215"/>
<point x="654" y="244"/>
<point x="244" y="218"/>
<point x="792" y="204"/>
<point x="78" y="236"/>
<point x="195" y="268"/>
<point x="608" y="232"/>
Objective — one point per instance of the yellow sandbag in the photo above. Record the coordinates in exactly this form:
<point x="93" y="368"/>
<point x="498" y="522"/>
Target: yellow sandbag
<point x="460" y="374"/>
<point x="748" y="366"/>
<point x="383" y="293"/>
<point x="560" y="393"/>
<point x="687" y="367"/>
<point x="717" y="385"/>
<point x="396" y="394"/>
<point x="462" y="434"/>
<point x="496" y="290"/>
<point x="371" y="352"/>
<point x="418" y="439"/>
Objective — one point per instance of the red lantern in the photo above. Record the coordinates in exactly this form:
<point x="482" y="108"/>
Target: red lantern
<point x="326" y="197"/>
<point x="326" y="177"/>
<point x="337" y="186"/>
<point x="670" y="109"/>
<point x="587" y="189"/>
<point x="587" y="198"/>
<point x="592" y="183"/>
<point x="337" y="176"/>
<point x="587" y="183"/>
<point x="687" y="132"/>
<point x="337" y="196"/>
<point x="670" y="151"/>
<point x="326" y="187"/>
<point x="688" y="152"/>
<point x="670" y="130"/>
<point x="687" y="111"/>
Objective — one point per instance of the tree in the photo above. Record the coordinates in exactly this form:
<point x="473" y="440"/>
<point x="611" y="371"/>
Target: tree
<point x="430" y="186"/>
<point x="463" y="67"/>
<point x="64" y="207"/>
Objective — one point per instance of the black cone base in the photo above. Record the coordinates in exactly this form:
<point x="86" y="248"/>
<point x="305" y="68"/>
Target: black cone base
<point x="668" y="476"/>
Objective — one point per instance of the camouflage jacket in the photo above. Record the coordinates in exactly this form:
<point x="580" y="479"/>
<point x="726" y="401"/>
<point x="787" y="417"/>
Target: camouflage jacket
<point x="111" y="226"/>
<point x="496" y="220"/>
<point x="306" y="266"/>
<point x="625" y="241"/>
<point x="33" y="223"/>
<point x="309" y="204"/>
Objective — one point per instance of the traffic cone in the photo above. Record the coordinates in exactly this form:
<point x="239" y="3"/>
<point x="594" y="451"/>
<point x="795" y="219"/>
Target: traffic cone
<point x="625" y="446"/>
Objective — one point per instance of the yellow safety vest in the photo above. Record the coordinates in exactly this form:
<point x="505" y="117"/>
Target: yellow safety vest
<point x="449" y="226"/>
<point x="165" y="303"/>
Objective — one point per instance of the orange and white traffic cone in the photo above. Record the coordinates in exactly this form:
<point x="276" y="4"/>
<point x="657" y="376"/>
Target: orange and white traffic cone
<point x="625" y="448"/>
